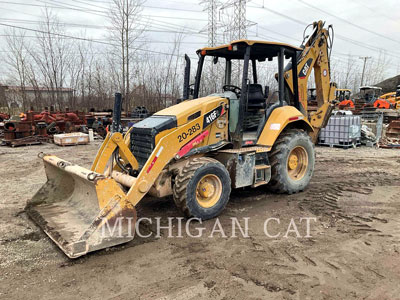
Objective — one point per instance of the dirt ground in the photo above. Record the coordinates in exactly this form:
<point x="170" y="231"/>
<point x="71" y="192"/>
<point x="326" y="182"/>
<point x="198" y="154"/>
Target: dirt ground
<point x="353" y="251"/>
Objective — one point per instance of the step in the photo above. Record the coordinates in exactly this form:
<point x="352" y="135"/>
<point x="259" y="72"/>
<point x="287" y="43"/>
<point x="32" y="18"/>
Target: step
<point x="258" y="183"/>
<point x="262" y="167"/>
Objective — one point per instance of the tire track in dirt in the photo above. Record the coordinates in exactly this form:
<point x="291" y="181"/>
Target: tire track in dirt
<point x="323" y="199"/>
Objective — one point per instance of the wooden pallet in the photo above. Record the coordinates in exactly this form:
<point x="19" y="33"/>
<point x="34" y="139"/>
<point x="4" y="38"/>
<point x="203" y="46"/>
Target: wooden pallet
<point x="26" y="141"/>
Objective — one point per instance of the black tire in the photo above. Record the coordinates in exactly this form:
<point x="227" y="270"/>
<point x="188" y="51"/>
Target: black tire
<point x="281" y="181"/>
<point x="186" y="182"/>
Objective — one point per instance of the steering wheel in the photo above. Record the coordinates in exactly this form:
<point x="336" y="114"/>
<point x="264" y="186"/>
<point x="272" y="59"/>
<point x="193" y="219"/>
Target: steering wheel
<point x="232" y="88"/>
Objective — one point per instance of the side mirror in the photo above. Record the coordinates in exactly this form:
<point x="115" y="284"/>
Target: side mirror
<point x="266" y="91"/>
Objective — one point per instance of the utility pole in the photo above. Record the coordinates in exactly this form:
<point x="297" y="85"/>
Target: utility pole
<point x="363" y="71"/>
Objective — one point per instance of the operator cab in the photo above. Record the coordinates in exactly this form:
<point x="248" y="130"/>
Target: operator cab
<point x="312" y="95"/>
<point x="370" y="93"/>
<point x="343" y="94"/>
<point x="250" y="103"/>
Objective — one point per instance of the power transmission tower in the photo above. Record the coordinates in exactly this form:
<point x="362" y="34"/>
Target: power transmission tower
<point x="234" y="28"/>
<point x="238" y="31"/>
<point x="240" y="21"/>
<point x="212" y="26"/>
<point x="212" y="8"/>
<point x="363" y="71"/>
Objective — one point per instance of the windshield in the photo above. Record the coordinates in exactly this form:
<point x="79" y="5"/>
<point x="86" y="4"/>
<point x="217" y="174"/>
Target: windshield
<point x="218" y="72"/>
<point x="369" y="91"/>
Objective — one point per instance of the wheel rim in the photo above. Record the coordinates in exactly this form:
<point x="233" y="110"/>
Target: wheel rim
<point x="297" y="163"/>
<point x="208" y="190"/>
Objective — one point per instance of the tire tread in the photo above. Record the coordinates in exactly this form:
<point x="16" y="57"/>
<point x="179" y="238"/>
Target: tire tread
<point x="183" y="177"/>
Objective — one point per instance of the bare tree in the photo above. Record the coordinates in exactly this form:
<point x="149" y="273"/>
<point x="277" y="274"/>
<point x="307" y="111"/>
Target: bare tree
<point x="126" y="28"/>
<point x="376" y="70"/>
<point x="52" y="56"/>
<point x="17" y="61"/>
<point x="350" y="68"/>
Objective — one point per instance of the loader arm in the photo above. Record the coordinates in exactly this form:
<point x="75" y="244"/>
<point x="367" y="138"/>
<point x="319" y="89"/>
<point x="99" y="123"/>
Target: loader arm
<point x="110" y="144"/>
<point x="315" y="55"/>
<point x="167" y="148"/>
<point x="170" y="146"/>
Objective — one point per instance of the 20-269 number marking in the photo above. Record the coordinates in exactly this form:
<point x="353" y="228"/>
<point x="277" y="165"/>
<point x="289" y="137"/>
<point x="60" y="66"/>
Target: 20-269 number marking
<point x="184" y="135"/>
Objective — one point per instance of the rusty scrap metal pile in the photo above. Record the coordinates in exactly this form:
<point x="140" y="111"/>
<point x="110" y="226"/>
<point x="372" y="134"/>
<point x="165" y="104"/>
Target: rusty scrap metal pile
<point x="391" y="138"/>
<point x="37" y="127"/>
<point x="386" y="126"/>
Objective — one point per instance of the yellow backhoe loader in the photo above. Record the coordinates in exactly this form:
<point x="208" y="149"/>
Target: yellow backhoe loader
<point x="196" y="150"/>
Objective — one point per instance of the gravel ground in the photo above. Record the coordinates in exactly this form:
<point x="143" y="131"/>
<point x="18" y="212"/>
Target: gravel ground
<point x="353" y="251"/>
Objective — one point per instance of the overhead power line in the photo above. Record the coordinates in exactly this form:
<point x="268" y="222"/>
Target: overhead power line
<point x="56" y="34"/>
<point x="279" y="14"/>
<point x="94" y="40"/>
<point x="352" y="41"/>
<point x="83" y="39"/>
<point x="348" y="22"/>
<point x="71" y="6"/>
<point x="180" y="2"/>
<point x="383" y="15"/>
<point x="144" y="6"/>
<point x="148" y="27"/>
<point x="105" y="13"/>
<point x="39" y="5"/>
<point x="93" y="5"/>
<point x="58" y="5"/>
<point x="182" y="29"/>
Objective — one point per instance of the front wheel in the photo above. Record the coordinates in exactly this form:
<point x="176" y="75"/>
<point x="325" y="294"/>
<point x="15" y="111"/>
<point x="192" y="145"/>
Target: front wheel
<point x="292" y="162"/>
<point x="202" y="188"/>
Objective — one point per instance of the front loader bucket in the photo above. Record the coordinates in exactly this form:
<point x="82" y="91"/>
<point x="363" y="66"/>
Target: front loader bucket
<point x="81" y="211"/>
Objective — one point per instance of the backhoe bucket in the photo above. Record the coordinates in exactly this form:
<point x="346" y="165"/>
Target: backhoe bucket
<point x="81" y="211"/>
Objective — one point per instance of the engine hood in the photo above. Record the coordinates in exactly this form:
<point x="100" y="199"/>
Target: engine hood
<point x="191" y="109"/>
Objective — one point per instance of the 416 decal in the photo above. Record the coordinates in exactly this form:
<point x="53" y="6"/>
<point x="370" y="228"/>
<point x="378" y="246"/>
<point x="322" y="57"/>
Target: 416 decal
<point x="211" y="116"/>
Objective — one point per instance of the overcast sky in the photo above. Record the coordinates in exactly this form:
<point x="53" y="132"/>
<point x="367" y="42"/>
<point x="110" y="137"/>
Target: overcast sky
<point x="362" y="27"/>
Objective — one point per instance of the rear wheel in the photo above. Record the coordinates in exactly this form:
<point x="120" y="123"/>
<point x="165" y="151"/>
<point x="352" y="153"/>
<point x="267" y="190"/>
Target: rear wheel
<point x="292" y="162"/>
<point x="202" y="188"/>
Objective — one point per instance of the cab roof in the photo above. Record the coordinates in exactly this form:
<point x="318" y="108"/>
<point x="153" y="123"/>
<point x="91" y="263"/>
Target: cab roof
<point x="370" y="87"/>
<point x="260" y="50"/>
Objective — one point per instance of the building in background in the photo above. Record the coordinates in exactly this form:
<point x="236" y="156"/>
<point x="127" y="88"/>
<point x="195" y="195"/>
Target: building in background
<point x="12" y="96"/>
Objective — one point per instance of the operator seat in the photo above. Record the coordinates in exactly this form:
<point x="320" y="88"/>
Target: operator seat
<point x="256" y="99"/>
<point x="256" y="103"/>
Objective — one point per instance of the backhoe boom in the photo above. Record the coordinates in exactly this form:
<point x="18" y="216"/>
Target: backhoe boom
<point x="315" y="56"/>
